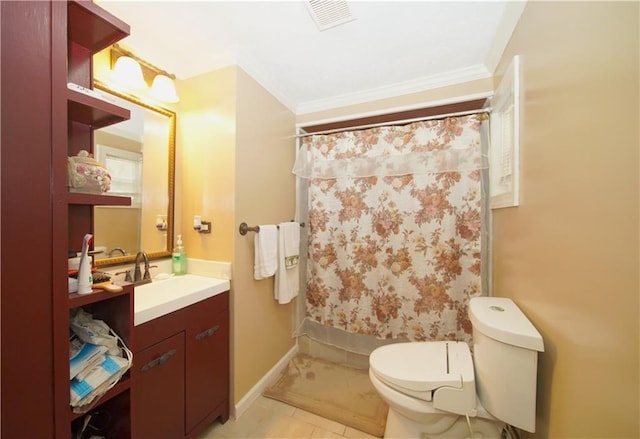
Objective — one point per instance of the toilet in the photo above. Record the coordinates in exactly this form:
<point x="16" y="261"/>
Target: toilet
<point x="440" y="390"/>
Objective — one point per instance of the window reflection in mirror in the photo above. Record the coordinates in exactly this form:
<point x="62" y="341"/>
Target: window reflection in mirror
<point x="139" y="155"/>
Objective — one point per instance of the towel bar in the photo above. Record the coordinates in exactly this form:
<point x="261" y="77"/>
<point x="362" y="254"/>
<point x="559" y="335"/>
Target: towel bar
<point x="244" y="228"/>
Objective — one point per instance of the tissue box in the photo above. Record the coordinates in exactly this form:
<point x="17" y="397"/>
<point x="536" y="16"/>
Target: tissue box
<point x="85" y="174"/>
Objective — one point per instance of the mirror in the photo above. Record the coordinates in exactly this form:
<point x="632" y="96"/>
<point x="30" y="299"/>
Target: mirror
<point x="140" y="157"/>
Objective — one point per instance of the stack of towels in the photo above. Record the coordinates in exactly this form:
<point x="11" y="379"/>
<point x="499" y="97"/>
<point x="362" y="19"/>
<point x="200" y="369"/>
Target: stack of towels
<point x="277" y="250"/>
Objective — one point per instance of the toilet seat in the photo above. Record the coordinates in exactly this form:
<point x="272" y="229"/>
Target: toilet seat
<point x="441" y="372"/>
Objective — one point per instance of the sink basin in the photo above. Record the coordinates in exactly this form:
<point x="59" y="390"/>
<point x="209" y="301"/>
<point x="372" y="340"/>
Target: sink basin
<point x="162" y="297"/>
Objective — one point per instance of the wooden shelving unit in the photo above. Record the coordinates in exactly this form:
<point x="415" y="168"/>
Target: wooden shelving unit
<point x="46" y="45"/>
<point x="90" y="29"/>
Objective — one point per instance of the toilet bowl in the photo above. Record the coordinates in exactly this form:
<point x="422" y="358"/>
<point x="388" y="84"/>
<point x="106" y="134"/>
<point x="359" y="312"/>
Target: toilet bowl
<point x="438" y="390"/>
<point x="412" y="413"/>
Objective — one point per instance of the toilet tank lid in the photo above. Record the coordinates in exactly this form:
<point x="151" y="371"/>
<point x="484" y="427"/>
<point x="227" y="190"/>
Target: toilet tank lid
<point x="501" y="319"/>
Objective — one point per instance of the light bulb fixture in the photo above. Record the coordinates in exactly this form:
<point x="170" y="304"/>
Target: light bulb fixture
<point x="128" y="73"/>
<point x="164" y="89"/>
<point x="139" y="76"/>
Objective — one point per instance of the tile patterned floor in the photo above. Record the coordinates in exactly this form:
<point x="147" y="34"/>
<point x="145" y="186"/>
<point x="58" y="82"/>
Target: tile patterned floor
<point x="268" y="418"/>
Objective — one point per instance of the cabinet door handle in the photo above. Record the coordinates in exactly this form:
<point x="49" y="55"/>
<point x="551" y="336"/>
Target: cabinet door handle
<point x="158" y="361"/>
<point x="208" y="333"/>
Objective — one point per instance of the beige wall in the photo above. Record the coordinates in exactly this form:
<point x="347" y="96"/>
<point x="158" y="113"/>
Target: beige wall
<point x="265" y="194"/>
<point x="206" y="153"/>
<point x="236" y="151"/>
<point x="569" y="254"/>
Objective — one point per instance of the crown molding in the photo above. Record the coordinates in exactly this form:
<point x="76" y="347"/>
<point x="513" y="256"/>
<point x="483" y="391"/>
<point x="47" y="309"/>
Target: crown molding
<point x="440" y="80"/>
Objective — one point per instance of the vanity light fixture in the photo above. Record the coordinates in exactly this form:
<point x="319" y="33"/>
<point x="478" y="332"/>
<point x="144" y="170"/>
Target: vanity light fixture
<point x="138" y="75"/>
<point x="128" y="73"/>
<point x="164" y="89"/>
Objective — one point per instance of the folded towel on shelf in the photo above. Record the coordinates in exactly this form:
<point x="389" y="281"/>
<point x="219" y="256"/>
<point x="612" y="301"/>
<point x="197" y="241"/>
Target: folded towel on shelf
<point x="287" y="283"/>
<point x="266" y="252"/>
<point x="291" y="234"/>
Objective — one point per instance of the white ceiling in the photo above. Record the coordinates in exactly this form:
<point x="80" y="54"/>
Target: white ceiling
<point x="391" y="48"/>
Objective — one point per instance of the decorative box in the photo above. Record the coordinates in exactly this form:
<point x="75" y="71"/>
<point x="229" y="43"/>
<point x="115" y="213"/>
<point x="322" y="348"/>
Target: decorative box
<point x="86" y="174"/>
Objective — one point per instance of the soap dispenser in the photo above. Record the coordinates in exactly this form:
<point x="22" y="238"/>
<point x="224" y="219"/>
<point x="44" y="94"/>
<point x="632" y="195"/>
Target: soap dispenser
<point x="179" y="258"/>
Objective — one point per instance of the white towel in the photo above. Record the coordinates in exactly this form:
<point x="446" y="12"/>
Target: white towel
<point x="291" y="234"/>
<point x="287" y="283"/>
<point x="266" y="252"/>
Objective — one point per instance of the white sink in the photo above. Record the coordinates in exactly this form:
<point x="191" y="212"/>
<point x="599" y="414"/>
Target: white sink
<point x="162" y="297"/>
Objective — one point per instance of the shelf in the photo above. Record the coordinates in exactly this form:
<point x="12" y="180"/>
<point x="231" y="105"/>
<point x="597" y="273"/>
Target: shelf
<point x="92" y="27"/>
<point x="81" y="198"/>
<point x="92" y="111"/>
<point x="77" y="300"/>
<point x="122" y="386"/>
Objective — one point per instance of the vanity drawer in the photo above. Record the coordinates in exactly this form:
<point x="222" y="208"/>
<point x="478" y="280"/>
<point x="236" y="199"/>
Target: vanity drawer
<point x="166" y="326"/>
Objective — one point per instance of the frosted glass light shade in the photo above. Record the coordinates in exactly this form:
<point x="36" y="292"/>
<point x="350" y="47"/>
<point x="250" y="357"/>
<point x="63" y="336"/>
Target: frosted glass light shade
<point x="128" y="73"/>
<point x="164" y="89"/>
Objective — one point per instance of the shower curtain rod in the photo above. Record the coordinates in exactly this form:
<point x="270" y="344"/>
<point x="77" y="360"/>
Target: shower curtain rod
<point x="397" y="122"/>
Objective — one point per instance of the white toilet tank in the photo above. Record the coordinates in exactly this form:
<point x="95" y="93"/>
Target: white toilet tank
<point x="505" y="358"/>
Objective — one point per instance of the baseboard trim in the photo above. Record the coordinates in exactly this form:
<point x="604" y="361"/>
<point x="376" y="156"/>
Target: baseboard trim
<point x="246" y="401"/>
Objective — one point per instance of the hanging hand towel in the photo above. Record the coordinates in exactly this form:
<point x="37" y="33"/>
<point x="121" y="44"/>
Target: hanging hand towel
<point x="266" y="252"/>
<point x="287" y="283"/>
<point x="291" y="235"/>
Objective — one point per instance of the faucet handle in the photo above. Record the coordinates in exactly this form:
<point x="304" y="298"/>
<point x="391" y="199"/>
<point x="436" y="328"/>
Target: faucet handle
<point x="127" y="275"/>
<point x="147" y="276"/>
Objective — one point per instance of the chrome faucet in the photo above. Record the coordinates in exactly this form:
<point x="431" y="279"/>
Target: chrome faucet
<point x="117" y="249"/>
<point x="138" y="278"/>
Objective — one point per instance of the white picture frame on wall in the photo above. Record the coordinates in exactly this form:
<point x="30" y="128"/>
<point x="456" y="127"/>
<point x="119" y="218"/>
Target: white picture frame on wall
<point x="504" y="150"/>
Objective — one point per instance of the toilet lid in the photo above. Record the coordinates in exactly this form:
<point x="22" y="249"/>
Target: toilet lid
<point x="423" y="366"/>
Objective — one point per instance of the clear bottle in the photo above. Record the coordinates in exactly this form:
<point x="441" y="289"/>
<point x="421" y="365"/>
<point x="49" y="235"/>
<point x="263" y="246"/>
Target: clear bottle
<point x="179" y="258"/>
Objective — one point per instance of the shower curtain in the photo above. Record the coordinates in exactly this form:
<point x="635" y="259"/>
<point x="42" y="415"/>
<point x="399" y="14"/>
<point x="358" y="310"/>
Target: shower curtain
<point x="395" y="232"/>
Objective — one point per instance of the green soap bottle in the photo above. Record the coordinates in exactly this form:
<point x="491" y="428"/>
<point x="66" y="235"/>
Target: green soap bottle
<point x="179" y="258"/>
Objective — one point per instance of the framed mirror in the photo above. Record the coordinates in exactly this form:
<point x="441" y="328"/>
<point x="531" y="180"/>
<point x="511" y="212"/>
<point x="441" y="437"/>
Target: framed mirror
<point x="140" y="157"/>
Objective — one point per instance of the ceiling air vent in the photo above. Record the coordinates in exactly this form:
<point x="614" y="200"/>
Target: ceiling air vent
<point x="329" y="13"/>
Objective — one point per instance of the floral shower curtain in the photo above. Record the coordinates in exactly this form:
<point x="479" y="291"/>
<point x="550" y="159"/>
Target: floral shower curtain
<point x="395" y="223"/>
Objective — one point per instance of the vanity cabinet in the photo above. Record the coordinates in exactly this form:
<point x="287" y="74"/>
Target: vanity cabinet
<point x="158" y="397"/>
<point x="207" y="378"/>
<point x="189" y="398"/>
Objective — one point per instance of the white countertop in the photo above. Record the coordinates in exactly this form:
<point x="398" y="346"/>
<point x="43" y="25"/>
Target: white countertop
<point x="162" y="297"/>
